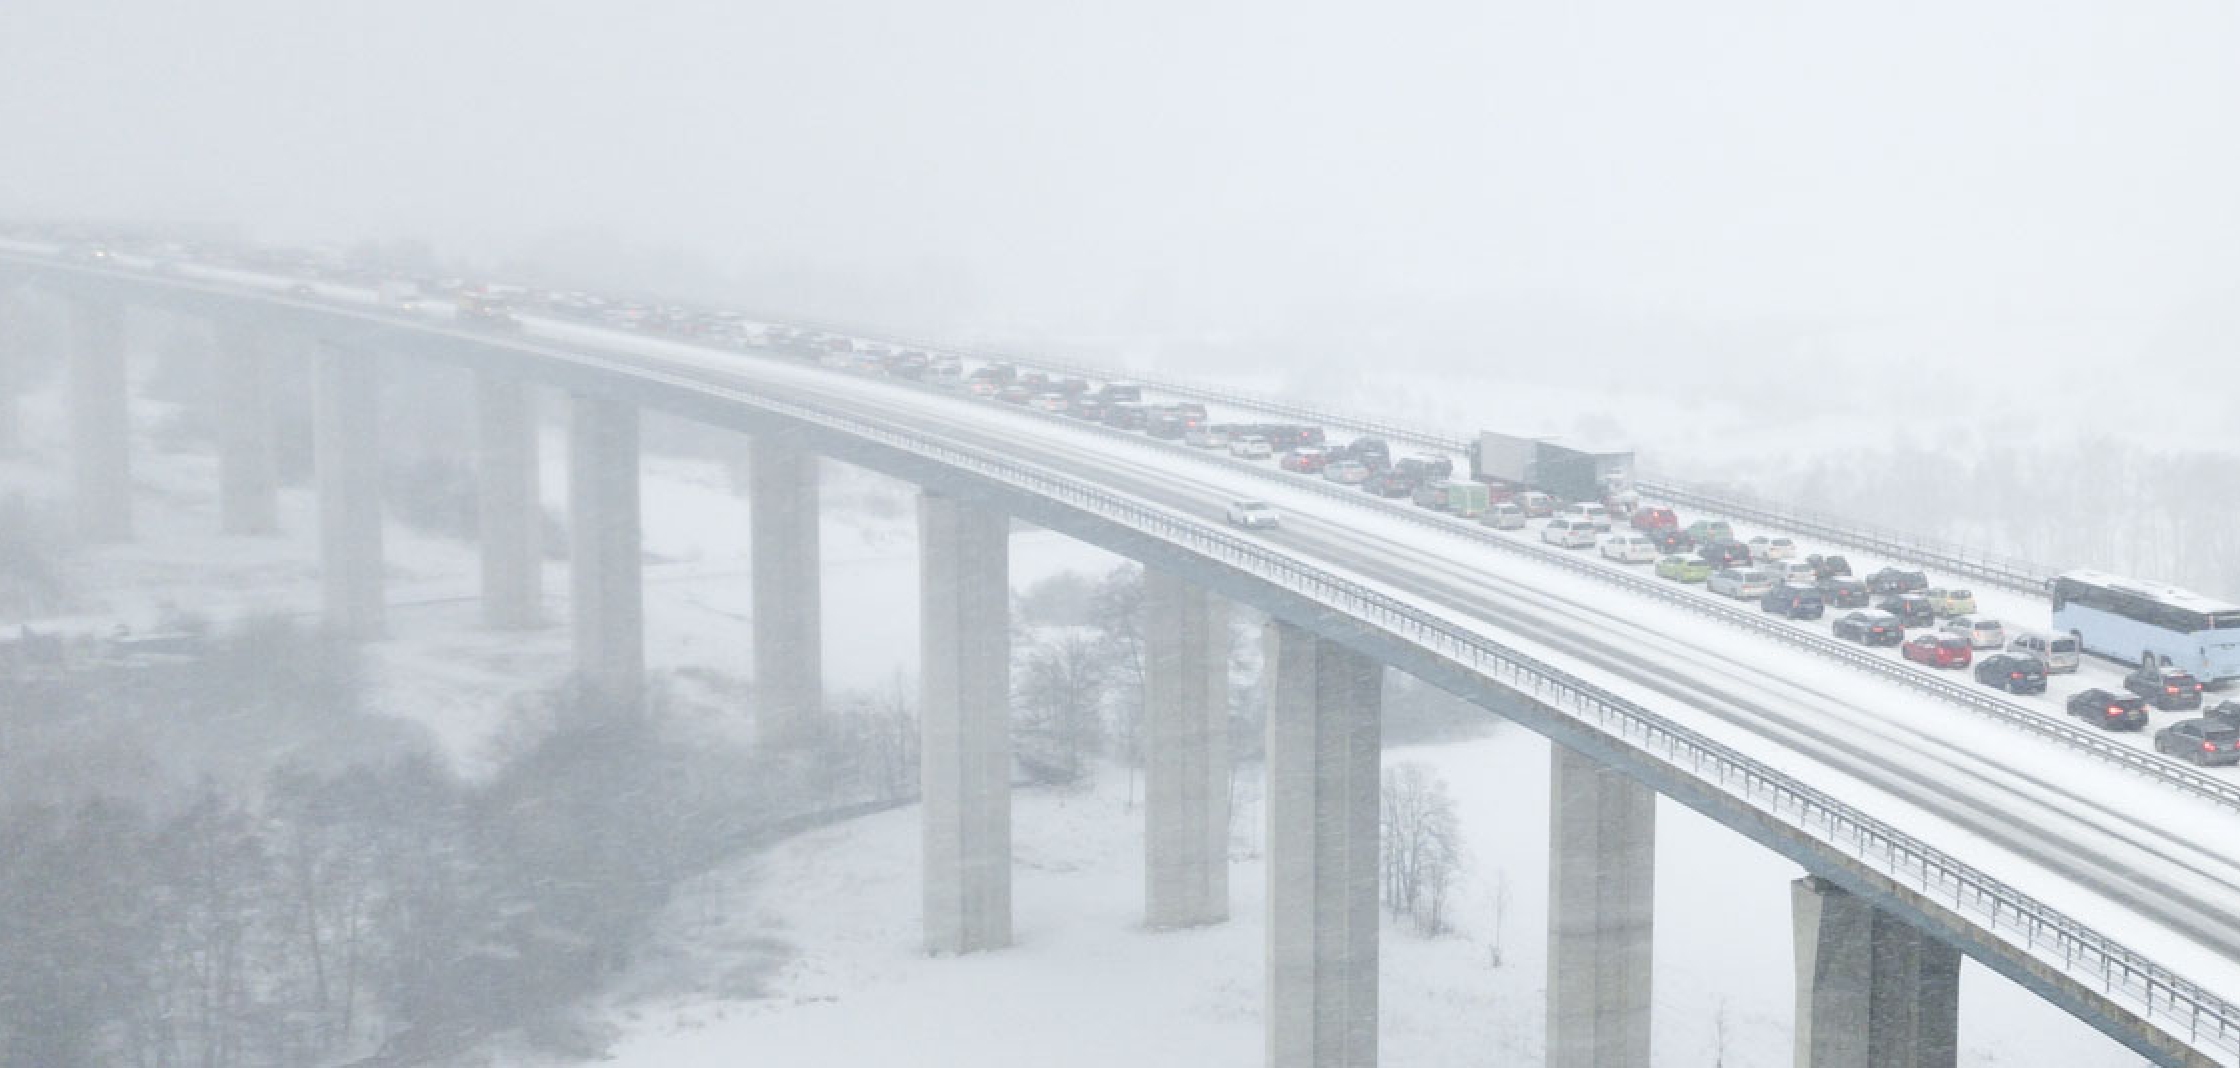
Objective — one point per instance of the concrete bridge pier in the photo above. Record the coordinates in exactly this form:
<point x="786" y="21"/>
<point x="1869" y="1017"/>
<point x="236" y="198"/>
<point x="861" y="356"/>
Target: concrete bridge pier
<point x="606" y="597"/>
<point x="1872" y="990"/>
<point x="241" y="409"/>
<point x="964" y="712"/>
<point x="1186" y="754"/>
<point x="1324" y="725"/>
<point x="100" y="422"/>
<point x="346" y="420"/>
<point x="509" y="514"/>
<point x="788" y="615"/>
<point x="1601" y="915"/>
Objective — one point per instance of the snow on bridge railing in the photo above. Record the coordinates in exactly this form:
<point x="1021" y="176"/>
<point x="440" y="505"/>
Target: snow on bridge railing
<point x="2182" y="1008"/>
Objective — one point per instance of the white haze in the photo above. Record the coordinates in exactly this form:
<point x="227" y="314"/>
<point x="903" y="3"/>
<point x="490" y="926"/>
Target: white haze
<point x="1632" y="181"/>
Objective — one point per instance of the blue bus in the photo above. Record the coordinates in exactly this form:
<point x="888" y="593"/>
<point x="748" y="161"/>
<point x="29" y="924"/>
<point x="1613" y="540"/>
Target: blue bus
<point x="2129" y="620"/>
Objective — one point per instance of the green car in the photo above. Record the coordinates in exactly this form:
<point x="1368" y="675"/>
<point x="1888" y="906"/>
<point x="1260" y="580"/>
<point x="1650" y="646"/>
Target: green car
<point x="1683" y="569"/>
<point x="1706" y="531"/>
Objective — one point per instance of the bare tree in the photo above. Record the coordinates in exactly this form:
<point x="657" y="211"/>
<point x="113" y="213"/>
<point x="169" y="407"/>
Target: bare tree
<point x="1061" y="697"/>
<point x="1420" y="843"/>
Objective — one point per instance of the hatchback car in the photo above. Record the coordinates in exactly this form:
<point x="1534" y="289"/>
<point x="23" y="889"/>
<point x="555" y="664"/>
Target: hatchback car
<point x="1844" y="592"/>
<point x="1654" y="518"/>
<point x="2169" y="688"/>
<point x="1764" y="547"/>
<point x="1569" y="533"/>
<point x="1306" y="461"/>
<point x="1796" y="571"/>
<point x="1741" y="583"/>
<point x="1588" y="511"/>
<point x="2012" y="672"/>
<point x="1938" y="650"/>
<point x="2203" y="741"/>
<point x="1912" y="609"/>
<point x="1536" y="504"/>
<point x="1672" y="540"/>
<point x="1346" y="472"/>
<point x="1950" y="603"/>
<point x="1897" y="580"/>
<point x="1503" y="515"/>
<point x="1706" y="531"/>
<point x="1250" y="447"/>
<point x="1981" y="633"/>
<point x="1251" y="514"/>
<point x="1683" y="569"/>
<point x="2109" y="710"/>
<point x="1728" y="553"/>
<point x="1794" y="601"/>
<point x="1389" y="483"/>
<point x="1870" y="627"/>
<point x="1629" y="549"/>
<point x="1828" y="567"/>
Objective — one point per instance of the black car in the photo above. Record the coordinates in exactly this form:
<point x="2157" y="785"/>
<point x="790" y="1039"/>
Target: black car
<point x="2169" y="688"/>
<point x="2222" y="712"/>
<point x="1795" y="602"/>
<point x="1728" y="553"/>
<point x="1371" y="453"/>
<point x="1912" y="609"/>
<point x="1897" y="580"/>
<point x="1843" y="591"/>
<point x="2203" y="741"/>
<point x="1672" y="541"/>
<point x="1828" y="567"/>
<point x="2012" y="672"/>
<point x="1390" y="484"/>
<point x="1870" y="627"/>
<point x="2112" y="711"/>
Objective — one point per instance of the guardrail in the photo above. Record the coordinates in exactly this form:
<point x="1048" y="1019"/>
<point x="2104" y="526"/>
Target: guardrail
<point x="2010" y="572"/>
<point x="2186" y="1011"/>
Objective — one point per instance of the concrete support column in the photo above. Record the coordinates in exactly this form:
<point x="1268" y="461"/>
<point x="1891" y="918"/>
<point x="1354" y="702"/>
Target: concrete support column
<point x="1186" y="754"/>
<point x="241" y="403"/>
<point x="100" y="422"/>
<point x="965" y="722"/>
<point x="1872" y="990"/>
<point x="1324" y="725"/>
<point x="1601" y="915"/>
<point x="606" y="598"/>
<point x="346" y="419"/>
<point x="508" y="512"/>
<point x="788" y="616"/>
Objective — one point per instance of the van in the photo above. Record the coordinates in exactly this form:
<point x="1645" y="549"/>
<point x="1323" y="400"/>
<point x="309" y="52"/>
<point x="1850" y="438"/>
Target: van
<point x="1504" y="515"/>
<point x="2058" y="652"/>
<point x="1568" y="533"/>
<point x="1536" y="504"/>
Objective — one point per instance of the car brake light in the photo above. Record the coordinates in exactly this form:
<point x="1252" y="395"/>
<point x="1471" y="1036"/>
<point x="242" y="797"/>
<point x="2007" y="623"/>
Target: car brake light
<point x="2171" y="689"/>
<point x="2208" y="747"/>
<point x="2115" y="710"/>
<point x="2014" y="674"/>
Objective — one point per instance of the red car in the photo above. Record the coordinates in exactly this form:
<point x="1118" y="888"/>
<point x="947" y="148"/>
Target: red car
<point x="1655" y="518"/>
<point x="1939" y="650"/>
<point x="1306" y="461"/>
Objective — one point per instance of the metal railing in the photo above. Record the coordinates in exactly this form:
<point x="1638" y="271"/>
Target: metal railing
<point x="2185" y="1010"/>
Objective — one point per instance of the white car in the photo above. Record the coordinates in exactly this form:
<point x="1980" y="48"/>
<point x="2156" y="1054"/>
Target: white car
<point x="1206" y="437"/>
<point x="1250" y="447"/>
<point x="1251" y="514"/>
<point x="1741" y="583"/>
<point x="1589" y="511"/>
<point x="1629" y="549"/>
<point x="1568" y="533"/>
<point x="1797" y="571"/>
<point x="1981" y="633"/>
<point x="2057" y="652"/>
<point x="1764" y="549"/>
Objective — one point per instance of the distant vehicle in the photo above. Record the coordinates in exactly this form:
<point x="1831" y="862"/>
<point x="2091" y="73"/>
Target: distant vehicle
<point x="1116" y="392"/>
<point x="1897" y="580"/>
<point x="2132" y="621"/>
<point x="1706" y="531"/>
<point x="1306" y="461"/>
<point x="1684" y="569"/>
<point x="1346" y="472"/>
<point x="1049" y="402"/>
<point x="1771" y="547"/>
<point x="1844" y="591"/>
<point x="1796" y="571"/>
<point x="1503" y="515"/>
<point x="1672" y="540"/>
<point x="1536" y="504"/>
<point x="1590" y="511"/>
<point x="1389" y="483"/>
<point x="1938" y="650"/>
<point x="2012" y="672"/>
<point x="1206" y="437"/>
<point x="2203" y="741"/>
<point x="2171" y="689"/>
<point x="1949" y="603"/>
<point x="1655" y="518"/>
<point x="2226" y="712"/>
<point x="1372" y="453"/>
<point x="1569" y="533"/>
<point x="1829" y="567"/>
<point x="1250" y="447"/>
<point x="2109" y="710"/>
<point x="1726" y="553"/>
<point x="1015" y="395"/>
<point x="1453" y="496"/>
<point x="1981" y="633"/>
<point x="1741" y="583"/>
<point x="486" y="312"/>
<point x="1793" y="601"/>
<point x="1629" y="549"/>
<point x="1251" y="514"/>
<point x="2058" y="652"/>
<point x="1870" y="626"/>
<point x="1912" y="609"/>
<point x="1426" y="466"/>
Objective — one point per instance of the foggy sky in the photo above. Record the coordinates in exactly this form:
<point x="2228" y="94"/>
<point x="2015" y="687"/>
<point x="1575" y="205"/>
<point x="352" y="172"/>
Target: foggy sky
<point x="1995" y="166"/>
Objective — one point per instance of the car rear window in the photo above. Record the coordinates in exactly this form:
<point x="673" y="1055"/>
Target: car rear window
<point x="2221" y="735"/>
<point x="2063" y="645"/>
<point x="1953" y="643"/>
